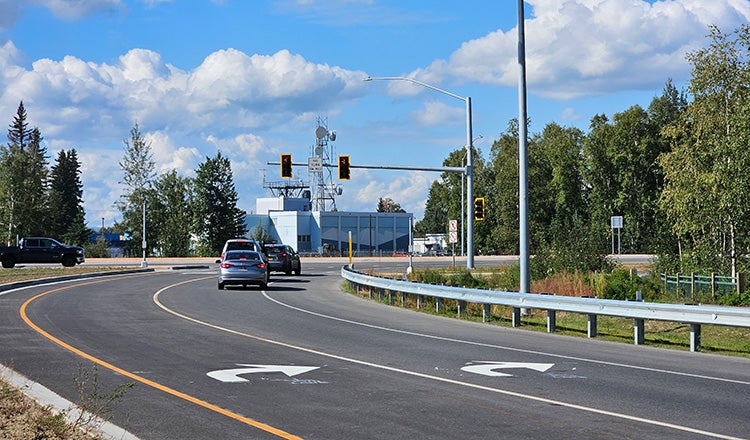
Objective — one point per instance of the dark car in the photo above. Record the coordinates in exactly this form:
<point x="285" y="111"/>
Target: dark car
<point x="243" y="267"/>
<point x="282" y="258"/>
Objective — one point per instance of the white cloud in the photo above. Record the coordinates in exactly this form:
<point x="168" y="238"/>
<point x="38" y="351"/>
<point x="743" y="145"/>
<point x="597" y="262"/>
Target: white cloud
<point x="406" y="189"/>
<point x="584" y="47"/>
<point x="73" y="10"/>
<point x="437" y="113"/>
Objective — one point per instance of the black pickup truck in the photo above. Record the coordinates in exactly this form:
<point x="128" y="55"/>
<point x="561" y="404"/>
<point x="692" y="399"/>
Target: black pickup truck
<point x="40" y="250"/>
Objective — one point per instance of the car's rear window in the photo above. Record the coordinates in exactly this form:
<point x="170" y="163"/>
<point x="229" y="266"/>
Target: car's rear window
<point x="241" y="255"/>
<point x="274" y="250"/>
<point x="241" y="245"/>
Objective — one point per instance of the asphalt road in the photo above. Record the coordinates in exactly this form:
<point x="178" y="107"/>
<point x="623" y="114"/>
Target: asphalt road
<point x="301" y="359"/>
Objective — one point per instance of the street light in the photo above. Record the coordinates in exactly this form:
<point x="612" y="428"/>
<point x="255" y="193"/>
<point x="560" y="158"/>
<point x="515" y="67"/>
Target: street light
<point x="469" y="161"/>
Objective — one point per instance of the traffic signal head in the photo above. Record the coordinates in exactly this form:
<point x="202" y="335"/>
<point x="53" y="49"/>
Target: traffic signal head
<point x="344" y="168"/>
<point x="479" y="208"/>
<point x="286" y="165"/>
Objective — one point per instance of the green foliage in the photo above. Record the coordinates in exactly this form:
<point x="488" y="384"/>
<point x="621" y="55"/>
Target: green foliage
<point x="138" y="178"/>
<point x="464" y="278"/>
<point x="261" y="234"/>
<point x="428" y="276"/>
<point x="66" y="217"/>
<point x="171" y="211"/>
<point x="99" y="249"/>
<point x="23" y="180"/>
<point x="215" y="212"/>
<point x="621" y="284"/>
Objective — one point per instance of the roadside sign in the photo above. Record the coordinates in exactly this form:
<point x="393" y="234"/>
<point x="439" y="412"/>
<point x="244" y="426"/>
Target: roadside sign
<point x="314" y="164"/>
<point x="453" y="231"/>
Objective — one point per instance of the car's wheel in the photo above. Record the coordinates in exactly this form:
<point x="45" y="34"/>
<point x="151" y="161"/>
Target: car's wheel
<point x="68" y="260"/>
<point x="263" y="285"/>
<point x="8" y="262"/>
<point x="221" y="285"/>
<point x="298" y="270"/>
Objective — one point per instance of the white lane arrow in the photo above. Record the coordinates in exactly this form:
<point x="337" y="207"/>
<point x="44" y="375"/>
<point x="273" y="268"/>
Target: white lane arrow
<point x="487" y="368"/>
<point x="233" y="374"/>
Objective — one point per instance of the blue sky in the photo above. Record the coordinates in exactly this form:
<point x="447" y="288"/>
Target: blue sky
<point x="252" y="78"/>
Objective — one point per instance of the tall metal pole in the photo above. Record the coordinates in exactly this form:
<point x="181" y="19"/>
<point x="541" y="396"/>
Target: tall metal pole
<point x="522" y="157"/>
<point x="463" y="206"/>
<point x="469" y="162"/>
<point x="469" y="189"/>
<point x="143" y="243"/>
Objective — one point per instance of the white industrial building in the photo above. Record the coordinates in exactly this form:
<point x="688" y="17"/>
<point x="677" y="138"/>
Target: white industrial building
<point x="290" y="221"/>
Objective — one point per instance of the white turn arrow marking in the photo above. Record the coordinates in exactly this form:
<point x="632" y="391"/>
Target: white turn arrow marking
<point x="233" y="374"/>
<point x="488" y="368"/>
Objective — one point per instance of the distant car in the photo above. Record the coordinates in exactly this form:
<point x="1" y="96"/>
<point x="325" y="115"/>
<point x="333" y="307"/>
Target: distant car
<point x="283" y="258"/>
<point x="243" y="267"/>
<point x="247" y="244"/>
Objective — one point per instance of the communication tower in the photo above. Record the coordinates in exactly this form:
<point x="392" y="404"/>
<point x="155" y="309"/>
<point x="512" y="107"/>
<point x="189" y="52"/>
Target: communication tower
<point x="322" y="178"/>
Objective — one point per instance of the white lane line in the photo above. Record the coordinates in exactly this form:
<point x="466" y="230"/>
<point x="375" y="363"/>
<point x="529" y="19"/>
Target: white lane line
<point x="427" y="376"/>
<point x="501" y="347"/>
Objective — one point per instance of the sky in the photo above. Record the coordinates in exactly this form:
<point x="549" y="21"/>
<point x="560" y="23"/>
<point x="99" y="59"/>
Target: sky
<point x="253" y="79"/>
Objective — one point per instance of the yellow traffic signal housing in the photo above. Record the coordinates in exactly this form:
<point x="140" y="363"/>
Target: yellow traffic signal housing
<point x="286" y="166"/>
<point x="479" y="208"/>
<point x="344" y="163"/>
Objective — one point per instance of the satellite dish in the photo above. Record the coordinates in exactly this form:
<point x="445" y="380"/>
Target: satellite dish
<point x="339" y="190"/>
<point x="332" y="135"/>
<point x="320" y="132"/>
<point x="318" y="150"/>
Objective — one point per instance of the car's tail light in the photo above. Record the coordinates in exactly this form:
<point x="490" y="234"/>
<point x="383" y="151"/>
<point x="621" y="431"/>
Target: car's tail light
<point x="261" y="265"/>
<point x="283" y="255"/>
<point x="226" y="265"/>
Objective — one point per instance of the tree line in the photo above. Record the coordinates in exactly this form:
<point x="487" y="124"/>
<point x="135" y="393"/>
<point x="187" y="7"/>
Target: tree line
<point x="677" y="172"/>
<point x="184" y="216"/>
<point x="36" y="199"/>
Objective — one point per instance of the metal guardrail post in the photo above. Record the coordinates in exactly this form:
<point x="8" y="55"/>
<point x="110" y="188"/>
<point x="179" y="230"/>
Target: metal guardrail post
<point x="461" y="305"/>
<point x="551" y="321"/>
<point x="638" y="329"/>
<point x="591" y="326"/>
<point x="516" y="318"/>
<point x="486" y="312"/>
<point x="695" y="337"/>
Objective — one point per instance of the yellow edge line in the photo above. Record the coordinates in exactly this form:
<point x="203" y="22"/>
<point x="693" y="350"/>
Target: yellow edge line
<point x="141" y="379"/>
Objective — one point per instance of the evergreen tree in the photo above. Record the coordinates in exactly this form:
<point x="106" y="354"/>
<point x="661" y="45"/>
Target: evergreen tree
<point x="23" y="180"/>
<point x="215" y="212"/>
<point x="66" y="216"/>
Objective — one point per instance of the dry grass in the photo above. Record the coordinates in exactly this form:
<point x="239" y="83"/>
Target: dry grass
<point x="21" y="418"/>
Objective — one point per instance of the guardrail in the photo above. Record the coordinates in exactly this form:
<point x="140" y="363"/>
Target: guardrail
<point x="639" y="311"/>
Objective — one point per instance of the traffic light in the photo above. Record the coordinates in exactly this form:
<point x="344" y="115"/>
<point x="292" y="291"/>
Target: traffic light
<point x="286" y="165"/>
<point x="479" y="208"/>
<point x="344" y="168"/>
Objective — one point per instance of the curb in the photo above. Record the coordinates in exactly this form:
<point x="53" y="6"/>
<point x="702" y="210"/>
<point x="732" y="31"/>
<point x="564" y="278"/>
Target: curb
<point x="59" y="405"/>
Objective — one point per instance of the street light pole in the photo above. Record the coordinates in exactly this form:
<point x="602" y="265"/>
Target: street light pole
<point x="469" y="162"/>
<point x="522" y="157"/>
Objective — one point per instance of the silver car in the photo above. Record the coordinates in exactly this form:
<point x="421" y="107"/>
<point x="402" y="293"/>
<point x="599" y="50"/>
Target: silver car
<point x="243" y="267"/>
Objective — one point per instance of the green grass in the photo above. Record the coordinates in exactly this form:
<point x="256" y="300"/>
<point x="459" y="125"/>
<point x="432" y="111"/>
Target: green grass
<point x="35" y="273"/>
